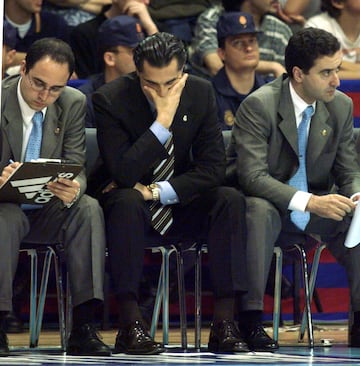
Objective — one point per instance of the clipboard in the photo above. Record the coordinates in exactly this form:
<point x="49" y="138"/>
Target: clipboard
<point x="28" y="183"/>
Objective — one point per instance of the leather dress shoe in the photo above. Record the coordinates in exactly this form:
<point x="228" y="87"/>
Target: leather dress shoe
<point x="355" y="337"/>
<point x="226" y="337"/>
<point x="258" y="340"/>
<point x="12" y="323"/>
<point x="136" y="340"/>
<point x="4" y="344"/>
<point x="84" y="341"/>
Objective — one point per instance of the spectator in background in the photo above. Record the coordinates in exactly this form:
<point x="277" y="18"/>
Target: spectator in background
<point x="342" y="19"/>
<point x="83" y="38"/>
<point x="32" y="24"/>
<point x="9" y="44"/>
<point x="178" y="17"/>
<point x="75" y="12"/>
<point x="296" y="12"/>
<point x="117" y="39"/>
<point x="239" y="51"/>
<point x="272" y="42"/>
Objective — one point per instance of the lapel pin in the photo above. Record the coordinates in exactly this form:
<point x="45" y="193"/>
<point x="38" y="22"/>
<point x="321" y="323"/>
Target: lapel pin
<point x="324" y="132"/>
<point x="57" y="130"/>
<point x="185" y="118"/>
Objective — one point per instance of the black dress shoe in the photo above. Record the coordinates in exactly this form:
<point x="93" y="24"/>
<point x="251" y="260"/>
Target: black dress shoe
<point x="12" y="323"/>
<point x="355" y="337"/>
<point x="84" y="341"/>
<point x="4" y="345"/>
<point x="258" y="340"/>
<point x="136" y="340"/>
<point x="225" y="337"/>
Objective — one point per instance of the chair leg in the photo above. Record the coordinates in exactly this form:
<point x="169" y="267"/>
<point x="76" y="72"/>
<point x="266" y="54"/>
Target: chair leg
<point x="182" y="297"/>
<point x="277" y="292"/>
<point x="313" y="274"/>
<point x="198" y="280"/>
<point x="34" y="338"/>
<point x="307" y="294"/>
<point x="33" y="295"/>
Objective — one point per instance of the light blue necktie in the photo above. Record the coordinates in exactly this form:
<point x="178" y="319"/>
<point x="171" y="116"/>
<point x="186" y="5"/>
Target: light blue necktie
<point x="34" y="144"/>
<point x="33" y="148"/>
<point x="299" y="180"/>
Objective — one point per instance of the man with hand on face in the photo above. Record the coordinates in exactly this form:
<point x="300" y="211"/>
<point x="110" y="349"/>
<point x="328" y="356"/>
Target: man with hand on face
<point x="164" y="163"/>
<point x="43" y="118"/>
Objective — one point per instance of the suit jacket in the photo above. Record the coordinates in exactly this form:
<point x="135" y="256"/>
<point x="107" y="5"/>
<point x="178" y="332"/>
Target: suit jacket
<point x="63" y="127"/>
<point x="130" y="151"/>
<point x="265" y="147"/>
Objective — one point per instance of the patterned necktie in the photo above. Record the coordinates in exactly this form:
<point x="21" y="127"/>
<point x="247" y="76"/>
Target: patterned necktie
<point x="33" y="149"/>
<point x="34" y="144"/>
<point x="161" y="216"/>
<point x="299" y="180"/>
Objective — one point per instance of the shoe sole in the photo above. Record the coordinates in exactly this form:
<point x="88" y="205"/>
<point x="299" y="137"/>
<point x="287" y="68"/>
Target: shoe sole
<point x="136" y="351"/>
<point x="214" y="348"/>
<point x="75" y="352"/>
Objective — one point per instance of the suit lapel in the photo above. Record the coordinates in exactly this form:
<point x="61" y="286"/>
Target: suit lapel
<point x="287" y="123"/>
<point x="319" y="132"/>
<point x="12" y="122"/>
<point x="52" y="129"/>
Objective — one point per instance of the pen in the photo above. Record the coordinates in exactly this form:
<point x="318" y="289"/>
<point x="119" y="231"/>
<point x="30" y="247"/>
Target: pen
<point x="11" y="161"/>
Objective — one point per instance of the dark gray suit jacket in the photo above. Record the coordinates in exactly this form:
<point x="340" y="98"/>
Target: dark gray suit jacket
<point x="264" y="145"/>
<point x="63" y="128"/>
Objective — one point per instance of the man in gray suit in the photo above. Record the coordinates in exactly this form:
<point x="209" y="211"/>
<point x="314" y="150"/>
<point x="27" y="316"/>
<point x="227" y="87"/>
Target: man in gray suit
<point x="71" y="218"/>
<point x="265" y="143"/>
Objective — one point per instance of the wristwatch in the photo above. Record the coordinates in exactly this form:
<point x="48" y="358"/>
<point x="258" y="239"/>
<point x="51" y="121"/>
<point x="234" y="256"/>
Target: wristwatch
<point x="155" y="190"/>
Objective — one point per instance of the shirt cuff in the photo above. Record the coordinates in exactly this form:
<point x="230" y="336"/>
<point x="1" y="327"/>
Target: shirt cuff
<point x="168" y="195"/>
<point x="161" y="133"/>
<point x="299" y="201"/>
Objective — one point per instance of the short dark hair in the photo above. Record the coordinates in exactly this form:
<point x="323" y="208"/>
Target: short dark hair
<point x="326" y="5"/>
<point x="54" y="48"/>
<point x="232" y="5"/>
<point x="159" y="50"/>
<point x="306" y="46"/>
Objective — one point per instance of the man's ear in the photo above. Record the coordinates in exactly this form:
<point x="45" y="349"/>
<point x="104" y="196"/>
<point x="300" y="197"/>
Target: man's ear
<point x="338" y="4"/>
<point x="297" y="74"/>
<point x="221" y="54"/>
<point x="23" y="68"/>
<point x="109" y="58"/>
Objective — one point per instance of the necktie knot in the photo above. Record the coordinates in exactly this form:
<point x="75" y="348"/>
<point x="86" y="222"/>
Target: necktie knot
<point x="37" y="118"/>
<point x="308" y="112"/>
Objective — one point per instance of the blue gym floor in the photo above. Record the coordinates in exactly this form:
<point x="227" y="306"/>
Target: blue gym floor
<point x="299" y="355"/>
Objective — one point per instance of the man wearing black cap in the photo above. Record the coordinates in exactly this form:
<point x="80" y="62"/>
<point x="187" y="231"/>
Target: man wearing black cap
<point x="9" y="43"/>
<point x="117" y="37"/>
<point x="239" y="51"/>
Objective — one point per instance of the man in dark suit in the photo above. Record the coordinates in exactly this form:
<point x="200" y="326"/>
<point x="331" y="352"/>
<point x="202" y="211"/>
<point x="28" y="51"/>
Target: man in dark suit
<point x="267" y="142"/>
<point x="138" y="116"/>
<point x="72" y="218"/>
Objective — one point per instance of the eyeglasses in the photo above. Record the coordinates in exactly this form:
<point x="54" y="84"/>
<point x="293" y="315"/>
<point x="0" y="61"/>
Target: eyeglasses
<point x="243" y="45"/>
<point x="39" y="86"/>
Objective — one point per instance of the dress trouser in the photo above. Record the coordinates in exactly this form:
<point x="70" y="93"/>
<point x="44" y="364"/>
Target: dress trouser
<point x="217" y="217"/>
<point x="266" y="227"/>
<point x="80" y="229"/>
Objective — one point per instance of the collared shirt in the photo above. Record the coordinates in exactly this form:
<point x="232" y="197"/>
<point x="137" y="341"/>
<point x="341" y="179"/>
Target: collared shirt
<point x="27" y="114"/>
<point x="228" y="99"/>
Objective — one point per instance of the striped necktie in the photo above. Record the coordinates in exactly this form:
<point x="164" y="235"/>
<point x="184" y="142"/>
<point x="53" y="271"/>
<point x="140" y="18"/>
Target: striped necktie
<point x="161" y="216"/>
<point x="299" y="180"/>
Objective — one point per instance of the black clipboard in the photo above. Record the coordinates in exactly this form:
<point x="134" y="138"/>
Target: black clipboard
<point x="27" y="184"/>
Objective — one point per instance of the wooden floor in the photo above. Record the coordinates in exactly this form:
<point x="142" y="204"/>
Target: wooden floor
<point x="288" y="336"/>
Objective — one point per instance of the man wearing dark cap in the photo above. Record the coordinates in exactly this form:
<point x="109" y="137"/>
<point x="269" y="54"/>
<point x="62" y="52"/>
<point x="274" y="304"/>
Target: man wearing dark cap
<point x="118" y="37"/>
<point x="239" y="51"/>
<point x="9" y="43"/>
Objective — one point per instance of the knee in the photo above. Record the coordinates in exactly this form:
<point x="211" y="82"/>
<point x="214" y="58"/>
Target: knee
<point x="259" y="210"/>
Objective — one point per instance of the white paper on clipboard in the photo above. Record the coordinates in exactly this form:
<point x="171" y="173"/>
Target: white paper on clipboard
<point x="353" y="235"/>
